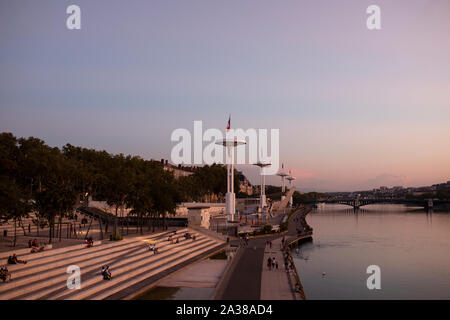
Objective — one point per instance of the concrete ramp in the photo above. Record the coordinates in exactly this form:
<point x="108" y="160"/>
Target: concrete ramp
<point x="283" y="204"/>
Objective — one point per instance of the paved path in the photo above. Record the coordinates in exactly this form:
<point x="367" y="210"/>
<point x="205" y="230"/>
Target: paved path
<point x="276" y="284"/>
<point x="250" y="279"/>
<point x="245" y="281"/>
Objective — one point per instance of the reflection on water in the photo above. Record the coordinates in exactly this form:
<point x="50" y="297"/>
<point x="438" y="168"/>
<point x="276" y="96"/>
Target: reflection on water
<point x="411" y="247"/>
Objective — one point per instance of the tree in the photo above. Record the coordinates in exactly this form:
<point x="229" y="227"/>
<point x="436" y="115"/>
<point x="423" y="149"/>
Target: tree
<point x="13" y="203"/>
<point x="165" y="193"/>
<point x="140" y="196"/>
<point x="58" y="194"/>
<point x="116" y="187"/>
<point x="14" y="198"/>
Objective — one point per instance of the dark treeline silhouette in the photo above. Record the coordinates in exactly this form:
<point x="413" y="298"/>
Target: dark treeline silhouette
<point x="274" y="192"/>
<point x="49" y="181"/>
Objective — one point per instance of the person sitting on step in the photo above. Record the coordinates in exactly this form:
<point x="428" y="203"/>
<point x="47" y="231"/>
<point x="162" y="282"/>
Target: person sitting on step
<point x="89" y="242"/>
<point x="106" y="273"/>
<point x="14" y="260"/>
<point x="4" y="274"/>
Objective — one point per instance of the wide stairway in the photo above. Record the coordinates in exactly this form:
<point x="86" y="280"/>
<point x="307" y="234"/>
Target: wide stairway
<point x="45" y="274"/>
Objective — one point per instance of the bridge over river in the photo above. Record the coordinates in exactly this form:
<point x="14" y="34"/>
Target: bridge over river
<point x="358" y="202"/>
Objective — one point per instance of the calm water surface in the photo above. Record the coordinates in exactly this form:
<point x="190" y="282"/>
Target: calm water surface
<point x="411" y="247"/>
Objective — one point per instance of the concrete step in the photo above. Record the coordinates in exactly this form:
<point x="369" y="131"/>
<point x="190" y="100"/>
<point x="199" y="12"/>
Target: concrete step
<point x="37" y="280"/>
<point x="147" y="274"/>
<point x="58" y="275"/>
<point x="133" y="264"/>
<point x="37" y="264"/>
<point x="25" y="254"/>
<point x="93" y="271"/>
<point x="127" y="272"/>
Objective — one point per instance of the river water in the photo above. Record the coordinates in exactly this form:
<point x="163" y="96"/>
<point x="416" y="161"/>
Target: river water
<point x="411" y="247"/>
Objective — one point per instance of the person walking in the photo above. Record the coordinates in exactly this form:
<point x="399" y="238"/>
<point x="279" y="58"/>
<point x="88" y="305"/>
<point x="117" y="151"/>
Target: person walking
<point x="269" y="263"/>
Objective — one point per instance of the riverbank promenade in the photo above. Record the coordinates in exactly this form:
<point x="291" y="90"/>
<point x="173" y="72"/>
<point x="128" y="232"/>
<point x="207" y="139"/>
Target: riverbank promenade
<point x="277" y="283"/>
<point x="249" y="278"/>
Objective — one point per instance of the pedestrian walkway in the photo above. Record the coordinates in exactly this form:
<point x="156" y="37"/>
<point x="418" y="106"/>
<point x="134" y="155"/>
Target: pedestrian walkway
<point x="276" y="283"/>
<point x="245" y="281"/>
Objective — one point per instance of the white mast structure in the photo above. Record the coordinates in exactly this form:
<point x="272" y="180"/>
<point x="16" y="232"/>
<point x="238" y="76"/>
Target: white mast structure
<point x="290" y="179"/>
<point x="283" y="175"/>
<point x="230" y="144"/>
<point x="262" y="197"/>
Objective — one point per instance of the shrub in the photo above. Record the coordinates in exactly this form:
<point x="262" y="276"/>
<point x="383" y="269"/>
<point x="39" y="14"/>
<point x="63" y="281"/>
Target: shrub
<point x="267" y="228"/>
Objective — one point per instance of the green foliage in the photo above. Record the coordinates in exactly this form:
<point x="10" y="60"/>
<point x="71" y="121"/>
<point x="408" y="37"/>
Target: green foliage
<point x="267" y="228"/>
<point x="205" y="182"/>
<point x="273" y="190"/>
<point x="443" y="194"/>
<point x="50" y="181"/>
<point x="300" y="198"/>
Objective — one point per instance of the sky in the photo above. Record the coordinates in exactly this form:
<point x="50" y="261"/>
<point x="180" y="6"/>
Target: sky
<point x="356" y="109"/>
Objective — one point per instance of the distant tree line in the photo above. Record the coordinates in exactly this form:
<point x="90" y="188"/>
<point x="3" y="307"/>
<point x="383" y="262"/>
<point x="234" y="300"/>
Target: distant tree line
<point x="274" y="192"/>
<point x="49" y="181"/>
<point x="440" y="194"/>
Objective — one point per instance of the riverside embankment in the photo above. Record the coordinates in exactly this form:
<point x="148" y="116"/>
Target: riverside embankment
<point x="249" y="277"/>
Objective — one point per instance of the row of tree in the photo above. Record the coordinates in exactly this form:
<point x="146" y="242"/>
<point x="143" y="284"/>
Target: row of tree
<point x="49" y="181"/>
<point x="274" y="192"/>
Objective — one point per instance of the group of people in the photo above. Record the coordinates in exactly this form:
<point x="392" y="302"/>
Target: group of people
<point x="34" y="245"/>
<point x="301" y="225"/>
<point x="14" y="260"/>
<point x="152" y="247"/>
<point x="4" y="274"/>
<point x="171" y="239"/>
<point x="89" y="242"/>
<point x="106" y="273"/>
<point x="244" y="240"/>
<point x="272" y="263"/>
<point x="187" y="236"/>
<point x="287" y="263"/>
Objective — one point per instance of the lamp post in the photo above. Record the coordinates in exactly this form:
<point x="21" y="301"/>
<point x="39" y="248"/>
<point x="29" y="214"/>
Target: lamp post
<point x="283" y="175"/>
<point x="262" y="197"/>
<point x="290" y="179"/>
<point x="230" y="144"/>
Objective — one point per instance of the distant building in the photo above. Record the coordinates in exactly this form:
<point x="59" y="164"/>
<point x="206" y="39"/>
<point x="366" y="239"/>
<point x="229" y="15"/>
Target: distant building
<point x="244" y="185"/>
<point x="178" y="171"/>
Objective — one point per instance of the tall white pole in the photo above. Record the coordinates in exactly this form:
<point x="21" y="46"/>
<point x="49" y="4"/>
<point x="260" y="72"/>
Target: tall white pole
<point x="230" y="196"/>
